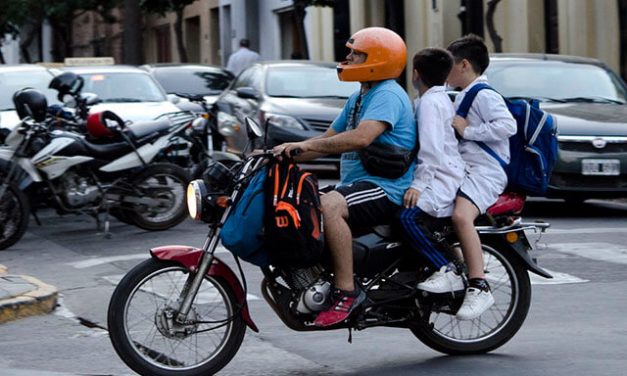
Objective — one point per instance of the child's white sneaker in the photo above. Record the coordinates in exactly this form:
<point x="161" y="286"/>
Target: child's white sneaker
<point x="443" y="281"/>
<point x="475" y="303"/>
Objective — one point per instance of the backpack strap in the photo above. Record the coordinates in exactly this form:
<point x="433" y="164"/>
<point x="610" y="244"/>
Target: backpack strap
<point x="463" y="109"/>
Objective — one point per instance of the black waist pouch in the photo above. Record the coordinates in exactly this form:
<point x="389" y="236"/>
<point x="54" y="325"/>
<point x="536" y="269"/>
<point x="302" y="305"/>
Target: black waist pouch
<point x="387" y="161"/>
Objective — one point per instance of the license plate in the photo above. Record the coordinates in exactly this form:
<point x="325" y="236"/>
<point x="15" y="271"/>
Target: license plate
<point x="605" y="167"/>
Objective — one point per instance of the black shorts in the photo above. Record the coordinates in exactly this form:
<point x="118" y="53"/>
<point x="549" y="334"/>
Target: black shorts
<point x="368" y="205"/>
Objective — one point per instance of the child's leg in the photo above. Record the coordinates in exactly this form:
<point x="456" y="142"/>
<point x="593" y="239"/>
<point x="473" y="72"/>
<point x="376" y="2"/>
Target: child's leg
<point x="464" y="216"/>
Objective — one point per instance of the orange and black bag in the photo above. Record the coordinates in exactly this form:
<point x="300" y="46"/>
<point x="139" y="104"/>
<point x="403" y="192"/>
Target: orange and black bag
<point x="293" y="223"/>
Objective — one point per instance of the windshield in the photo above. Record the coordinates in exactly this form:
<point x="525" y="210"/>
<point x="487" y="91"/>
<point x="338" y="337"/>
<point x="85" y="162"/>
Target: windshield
<point x="123" y="87"/>
<point x="555" y="81"/>
<point x="10" y="82"/>
<point x="307" y="82"/>
<point x="192" y="82"/>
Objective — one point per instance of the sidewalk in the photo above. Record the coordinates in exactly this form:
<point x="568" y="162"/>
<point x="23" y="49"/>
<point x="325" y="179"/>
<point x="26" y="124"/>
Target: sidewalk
<point x="23" y="296"/>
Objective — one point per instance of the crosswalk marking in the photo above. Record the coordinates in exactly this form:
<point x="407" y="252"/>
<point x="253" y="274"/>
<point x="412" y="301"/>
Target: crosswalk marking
<point x="586" y="230"/>
<point x="106" y="260"/>
<point x="115" y="279"/>
<point x="599" y="251"/>
<point x="559" y="278"/>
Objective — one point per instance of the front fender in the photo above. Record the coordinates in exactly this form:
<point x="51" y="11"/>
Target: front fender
<point x="189" y="258"/>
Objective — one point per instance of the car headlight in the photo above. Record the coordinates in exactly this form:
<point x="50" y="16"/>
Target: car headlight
<point x="283" y="121"/>
<point x="196" y="191"/>
<point x="227" y="124"/>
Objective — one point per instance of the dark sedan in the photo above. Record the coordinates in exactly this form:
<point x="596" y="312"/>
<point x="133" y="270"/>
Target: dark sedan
<point x="297" y="99"/>
<point x="588" y="101"/>
<point x="194" y="79"/>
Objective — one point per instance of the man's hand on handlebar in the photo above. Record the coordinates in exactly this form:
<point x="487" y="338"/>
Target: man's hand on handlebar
<point x="290" y="149"/>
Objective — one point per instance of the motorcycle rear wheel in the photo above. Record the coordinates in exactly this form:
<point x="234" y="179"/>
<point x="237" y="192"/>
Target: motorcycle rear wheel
<point x="511" y="288"/>
<point x="137" y="319"/>
<point x="164" y="182"/>
<point x="14" y="216"/>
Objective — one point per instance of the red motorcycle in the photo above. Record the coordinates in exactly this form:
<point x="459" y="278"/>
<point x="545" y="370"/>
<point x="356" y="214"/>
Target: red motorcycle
<point x="184" y="311"/>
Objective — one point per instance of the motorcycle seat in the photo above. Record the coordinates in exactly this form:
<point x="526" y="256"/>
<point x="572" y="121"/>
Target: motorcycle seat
<point x="508" y="203"/>
<point x="141" y="129"/>
<point x="107" y="151"/>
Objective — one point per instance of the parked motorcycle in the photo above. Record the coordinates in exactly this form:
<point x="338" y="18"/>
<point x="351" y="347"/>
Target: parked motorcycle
<point x="67" y="172"/>
<point x="184" y="311"/>
<point x="193" y="148"/>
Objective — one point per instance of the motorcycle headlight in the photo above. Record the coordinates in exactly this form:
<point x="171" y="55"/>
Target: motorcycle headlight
<point x="227" y="124"/>
<point x="196" y="192"/>
<point x="199" y="124"/>
<point x="283" y="121"/>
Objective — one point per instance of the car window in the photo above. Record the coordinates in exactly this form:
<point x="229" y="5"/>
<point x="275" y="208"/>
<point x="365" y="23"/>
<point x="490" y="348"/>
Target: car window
<point x="123" y="87"/>
<point x="554" y="80"/>
<point x="307" y="82"/>
<point x="10" y="82"/>
<point x="198" y="82"/>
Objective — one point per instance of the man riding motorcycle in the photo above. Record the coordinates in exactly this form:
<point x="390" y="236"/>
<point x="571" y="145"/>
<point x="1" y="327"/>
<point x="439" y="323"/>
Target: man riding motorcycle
<point x="380" y="113"/>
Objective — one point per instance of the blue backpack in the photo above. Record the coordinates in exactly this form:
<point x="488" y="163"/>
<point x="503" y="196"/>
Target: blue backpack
<point x="533" y="149"/>
<point x="242" y="232"/>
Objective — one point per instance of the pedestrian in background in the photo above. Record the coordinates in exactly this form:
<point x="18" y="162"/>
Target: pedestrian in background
<point x="242" y="58"/>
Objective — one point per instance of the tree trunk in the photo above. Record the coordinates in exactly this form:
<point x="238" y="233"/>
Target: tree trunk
<point x="494" y="36"/>
<point x="2" y="61"/>
<point x="178" y="31"/>
<point x="132" y="50"/>
<point x="26" y="42"/>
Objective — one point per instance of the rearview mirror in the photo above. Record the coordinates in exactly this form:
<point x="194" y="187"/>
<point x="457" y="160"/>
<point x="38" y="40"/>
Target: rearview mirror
<point x="90" y="98"/>
<point x="253" y="129"/>
<point x="247" y="93"/>
<point x="173" y="98"/>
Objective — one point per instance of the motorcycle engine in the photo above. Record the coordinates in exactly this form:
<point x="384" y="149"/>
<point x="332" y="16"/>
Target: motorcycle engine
<point x="79" y="190"/>
<point x="315" y="292"/>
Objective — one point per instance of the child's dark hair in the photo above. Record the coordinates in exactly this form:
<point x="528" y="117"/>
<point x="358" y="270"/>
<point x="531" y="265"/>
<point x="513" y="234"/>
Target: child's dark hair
<point x="434" y="65"/>
<point x="472" y="48"/>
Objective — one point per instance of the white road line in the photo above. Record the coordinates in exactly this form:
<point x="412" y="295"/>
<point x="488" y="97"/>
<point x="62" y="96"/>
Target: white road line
<point x="559" y="278"/>
<point x="587" y="230"/>
<point x="607" y="252"/>
<point x="106" y="260"/>
<point x="115" y="279"/>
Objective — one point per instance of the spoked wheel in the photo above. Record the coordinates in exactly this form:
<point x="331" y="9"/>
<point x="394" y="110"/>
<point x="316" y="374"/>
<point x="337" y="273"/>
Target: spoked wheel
<point x="147" y="337"/>
<point x="161" y="189"/>
<point x="14" y="215"/>
<point x="511" y="289"/>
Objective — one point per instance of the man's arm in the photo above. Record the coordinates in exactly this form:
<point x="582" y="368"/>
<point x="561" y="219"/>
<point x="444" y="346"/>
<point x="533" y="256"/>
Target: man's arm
<point x="332" y="142"/>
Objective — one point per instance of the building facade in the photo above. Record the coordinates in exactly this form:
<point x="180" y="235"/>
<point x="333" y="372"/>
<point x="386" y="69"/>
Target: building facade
<point x="212" y="28"/>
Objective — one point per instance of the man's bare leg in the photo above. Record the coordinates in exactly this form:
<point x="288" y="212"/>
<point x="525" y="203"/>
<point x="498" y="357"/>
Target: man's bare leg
<point x="339" y="238"/>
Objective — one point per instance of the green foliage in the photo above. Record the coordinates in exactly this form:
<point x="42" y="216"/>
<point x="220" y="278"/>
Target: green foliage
<point x="162" y="7"/>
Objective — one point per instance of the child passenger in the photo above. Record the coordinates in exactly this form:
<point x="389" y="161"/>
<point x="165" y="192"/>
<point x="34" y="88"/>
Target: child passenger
<point x="440" y="170"/>
<point x="489" y="121"/>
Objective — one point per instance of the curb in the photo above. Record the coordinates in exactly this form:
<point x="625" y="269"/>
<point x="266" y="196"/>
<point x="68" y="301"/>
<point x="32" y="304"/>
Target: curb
<point x="41" y="299"/>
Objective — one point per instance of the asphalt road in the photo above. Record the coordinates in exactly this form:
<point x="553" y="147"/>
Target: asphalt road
<point x="576" y="325"/>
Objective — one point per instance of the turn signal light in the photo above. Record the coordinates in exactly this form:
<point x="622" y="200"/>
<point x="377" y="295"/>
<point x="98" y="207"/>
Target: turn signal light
<point x="511" y="237"/>
<point x="222" y="201"/>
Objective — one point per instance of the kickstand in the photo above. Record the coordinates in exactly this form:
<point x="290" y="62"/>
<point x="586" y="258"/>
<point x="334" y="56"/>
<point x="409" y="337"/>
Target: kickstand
<point x="36" y="218"/>
<point x="350" y="335"/>
<point x="107" y="232"/>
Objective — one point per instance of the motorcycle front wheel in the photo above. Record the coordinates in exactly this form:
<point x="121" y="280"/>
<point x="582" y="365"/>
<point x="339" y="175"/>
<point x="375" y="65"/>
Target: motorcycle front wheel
<point x="165" y="185"/>
<point x="14" y="216"/>
<point x="511" y="288"/>
<point x="146" y="335"/>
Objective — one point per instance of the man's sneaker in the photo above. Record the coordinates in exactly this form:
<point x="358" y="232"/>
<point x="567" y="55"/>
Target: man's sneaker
<point x="444" y="280"/>
<point x="475" y="303"/>
<point x="343" y="305"/>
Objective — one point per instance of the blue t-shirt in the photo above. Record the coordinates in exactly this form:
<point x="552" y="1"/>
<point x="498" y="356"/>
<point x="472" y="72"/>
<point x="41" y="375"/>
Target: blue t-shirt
<point x="386" y="102"/>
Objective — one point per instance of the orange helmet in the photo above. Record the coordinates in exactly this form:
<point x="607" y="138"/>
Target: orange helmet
<point x="386" y="58"/>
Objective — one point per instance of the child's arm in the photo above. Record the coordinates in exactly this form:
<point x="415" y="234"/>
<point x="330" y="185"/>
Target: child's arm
<point x="431" y="135"/>
<point x="498" y="123"/>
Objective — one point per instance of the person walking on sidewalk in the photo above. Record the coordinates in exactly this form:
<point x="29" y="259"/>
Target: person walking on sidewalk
<point x="243" y="58"/>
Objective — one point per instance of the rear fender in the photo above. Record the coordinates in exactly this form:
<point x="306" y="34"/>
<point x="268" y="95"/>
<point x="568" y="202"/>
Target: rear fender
<point x="189" y="257"/>
<point x="521" y="249"/>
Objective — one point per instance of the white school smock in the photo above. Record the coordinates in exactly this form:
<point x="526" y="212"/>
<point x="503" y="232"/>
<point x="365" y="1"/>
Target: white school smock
<point x="440" y="168"/>
<point x="489" y="121"/>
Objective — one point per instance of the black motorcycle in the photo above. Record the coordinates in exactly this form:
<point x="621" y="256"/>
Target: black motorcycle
<point x="184" y="311"/>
